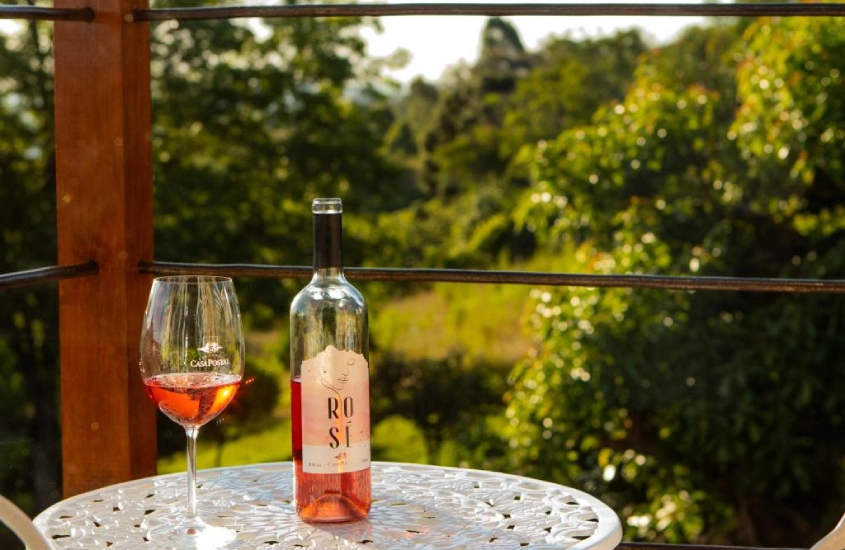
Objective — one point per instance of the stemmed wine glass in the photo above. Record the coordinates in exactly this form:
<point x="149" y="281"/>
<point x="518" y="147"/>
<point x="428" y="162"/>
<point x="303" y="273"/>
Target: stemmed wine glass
<point x="192" y="360"/>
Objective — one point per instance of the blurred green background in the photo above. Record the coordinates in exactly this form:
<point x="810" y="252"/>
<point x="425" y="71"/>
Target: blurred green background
<point x="700" y="417"/>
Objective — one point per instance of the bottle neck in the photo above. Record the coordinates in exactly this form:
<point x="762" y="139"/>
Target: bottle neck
<point x="328" y="250"/>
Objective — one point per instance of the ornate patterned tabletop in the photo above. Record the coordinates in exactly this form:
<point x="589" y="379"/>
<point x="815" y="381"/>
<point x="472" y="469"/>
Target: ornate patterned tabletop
<point x="414" y="506"/>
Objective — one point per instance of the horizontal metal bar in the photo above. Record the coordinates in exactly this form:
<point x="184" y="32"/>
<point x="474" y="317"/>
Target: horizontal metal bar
<point x="228" y="270"/>
<point x="46" y="274"/>
<point x="46" y="14"/>
<point x="514" y="9"/>
<point x="510" y="277"/>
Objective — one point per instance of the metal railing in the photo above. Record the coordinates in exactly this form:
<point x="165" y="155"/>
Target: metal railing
<point x="35" y="13"/>
<point x="418" y="275"/>
<point x="690" y="283"/>
<point x="48" y="274"/>
<point x="422" y="8"/>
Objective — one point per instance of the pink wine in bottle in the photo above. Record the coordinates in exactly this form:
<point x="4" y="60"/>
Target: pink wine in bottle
<point x="330" y="396"/>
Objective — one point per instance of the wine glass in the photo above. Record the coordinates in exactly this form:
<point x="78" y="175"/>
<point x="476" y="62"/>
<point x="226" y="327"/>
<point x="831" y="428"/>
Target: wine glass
<point x="192" y="360"/>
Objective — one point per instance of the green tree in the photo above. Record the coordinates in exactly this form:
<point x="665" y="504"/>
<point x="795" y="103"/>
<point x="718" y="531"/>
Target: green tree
<point x="701" y="416"/>
<point x="413" y="120"/>
<point x="470" y="165"/>
<point x="247" y="129"/>
<point x="29" y="444"/>
<point x="442" y="397"/>
<point x="462" y="146"/>
<point x="569" y="81"/>
<point x="448" y="138"/>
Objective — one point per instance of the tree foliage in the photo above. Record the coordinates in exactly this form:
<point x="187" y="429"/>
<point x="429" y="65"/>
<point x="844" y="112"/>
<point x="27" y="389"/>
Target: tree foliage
<point x="249" y="127"/>
<point x="463" y="148"/>
<point x="553" y="95"/>
<point x="28" y="316"/>
<point x="701" y="416"/>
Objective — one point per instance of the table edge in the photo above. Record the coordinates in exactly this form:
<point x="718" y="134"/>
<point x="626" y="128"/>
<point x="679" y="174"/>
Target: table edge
<point x="607" y="536"/>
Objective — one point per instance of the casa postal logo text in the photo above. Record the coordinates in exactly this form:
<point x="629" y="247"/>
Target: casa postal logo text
<point x="209" y="351"/>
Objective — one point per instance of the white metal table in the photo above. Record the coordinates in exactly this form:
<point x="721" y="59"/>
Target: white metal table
<point x="414" y="506"/>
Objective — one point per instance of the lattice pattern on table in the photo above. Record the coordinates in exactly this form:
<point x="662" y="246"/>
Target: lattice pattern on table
<point x="414" y="506"/>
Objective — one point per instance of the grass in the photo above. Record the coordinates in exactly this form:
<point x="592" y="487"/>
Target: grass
<point x="269" y="445"/>
<point x="484" y="322"/>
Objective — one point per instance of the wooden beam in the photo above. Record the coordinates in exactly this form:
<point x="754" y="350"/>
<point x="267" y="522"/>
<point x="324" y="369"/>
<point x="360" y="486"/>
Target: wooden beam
<point x="104" y="196"/>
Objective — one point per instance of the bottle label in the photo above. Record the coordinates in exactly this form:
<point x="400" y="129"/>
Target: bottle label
<point x="335" y="412"/>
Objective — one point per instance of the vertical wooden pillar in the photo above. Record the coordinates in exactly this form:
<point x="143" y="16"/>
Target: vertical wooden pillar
<point x="104" y="196"/>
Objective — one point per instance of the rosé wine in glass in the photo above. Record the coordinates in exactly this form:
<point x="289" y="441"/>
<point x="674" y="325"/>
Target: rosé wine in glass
<point x="192" y="399"/>
<point x="192" y="361"/>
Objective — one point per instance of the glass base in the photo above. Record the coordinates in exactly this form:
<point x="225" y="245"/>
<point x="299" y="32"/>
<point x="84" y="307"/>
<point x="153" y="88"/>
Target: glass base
<point x="191" y="534"/>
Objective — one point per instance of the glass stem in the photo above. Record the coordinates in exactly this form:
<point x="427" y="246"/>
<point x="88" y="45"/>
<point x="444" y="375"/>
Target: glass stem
<point x="191" y="454"/>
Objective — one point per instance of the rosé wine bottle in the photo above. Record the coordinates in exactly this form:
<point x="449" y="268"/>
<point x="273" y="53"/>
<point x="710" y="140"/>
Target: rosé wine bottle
<point x="330" y="385"/>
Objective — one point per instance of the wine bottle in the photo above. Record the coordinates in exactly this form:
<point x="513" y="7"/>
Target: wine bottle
<point x="330" y="409"/>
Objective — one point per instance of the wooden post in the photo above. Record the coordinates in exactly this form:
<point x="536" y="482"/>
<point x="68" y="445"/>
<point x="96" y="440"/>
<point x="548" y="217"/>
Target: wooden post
<point x="104" y="197"/>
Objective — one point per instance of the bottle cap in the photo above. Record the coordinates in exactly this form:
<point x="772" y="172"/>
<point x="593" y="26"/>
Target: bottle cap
<point x="327" y="233"/>
<point x="327" y="206"/>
